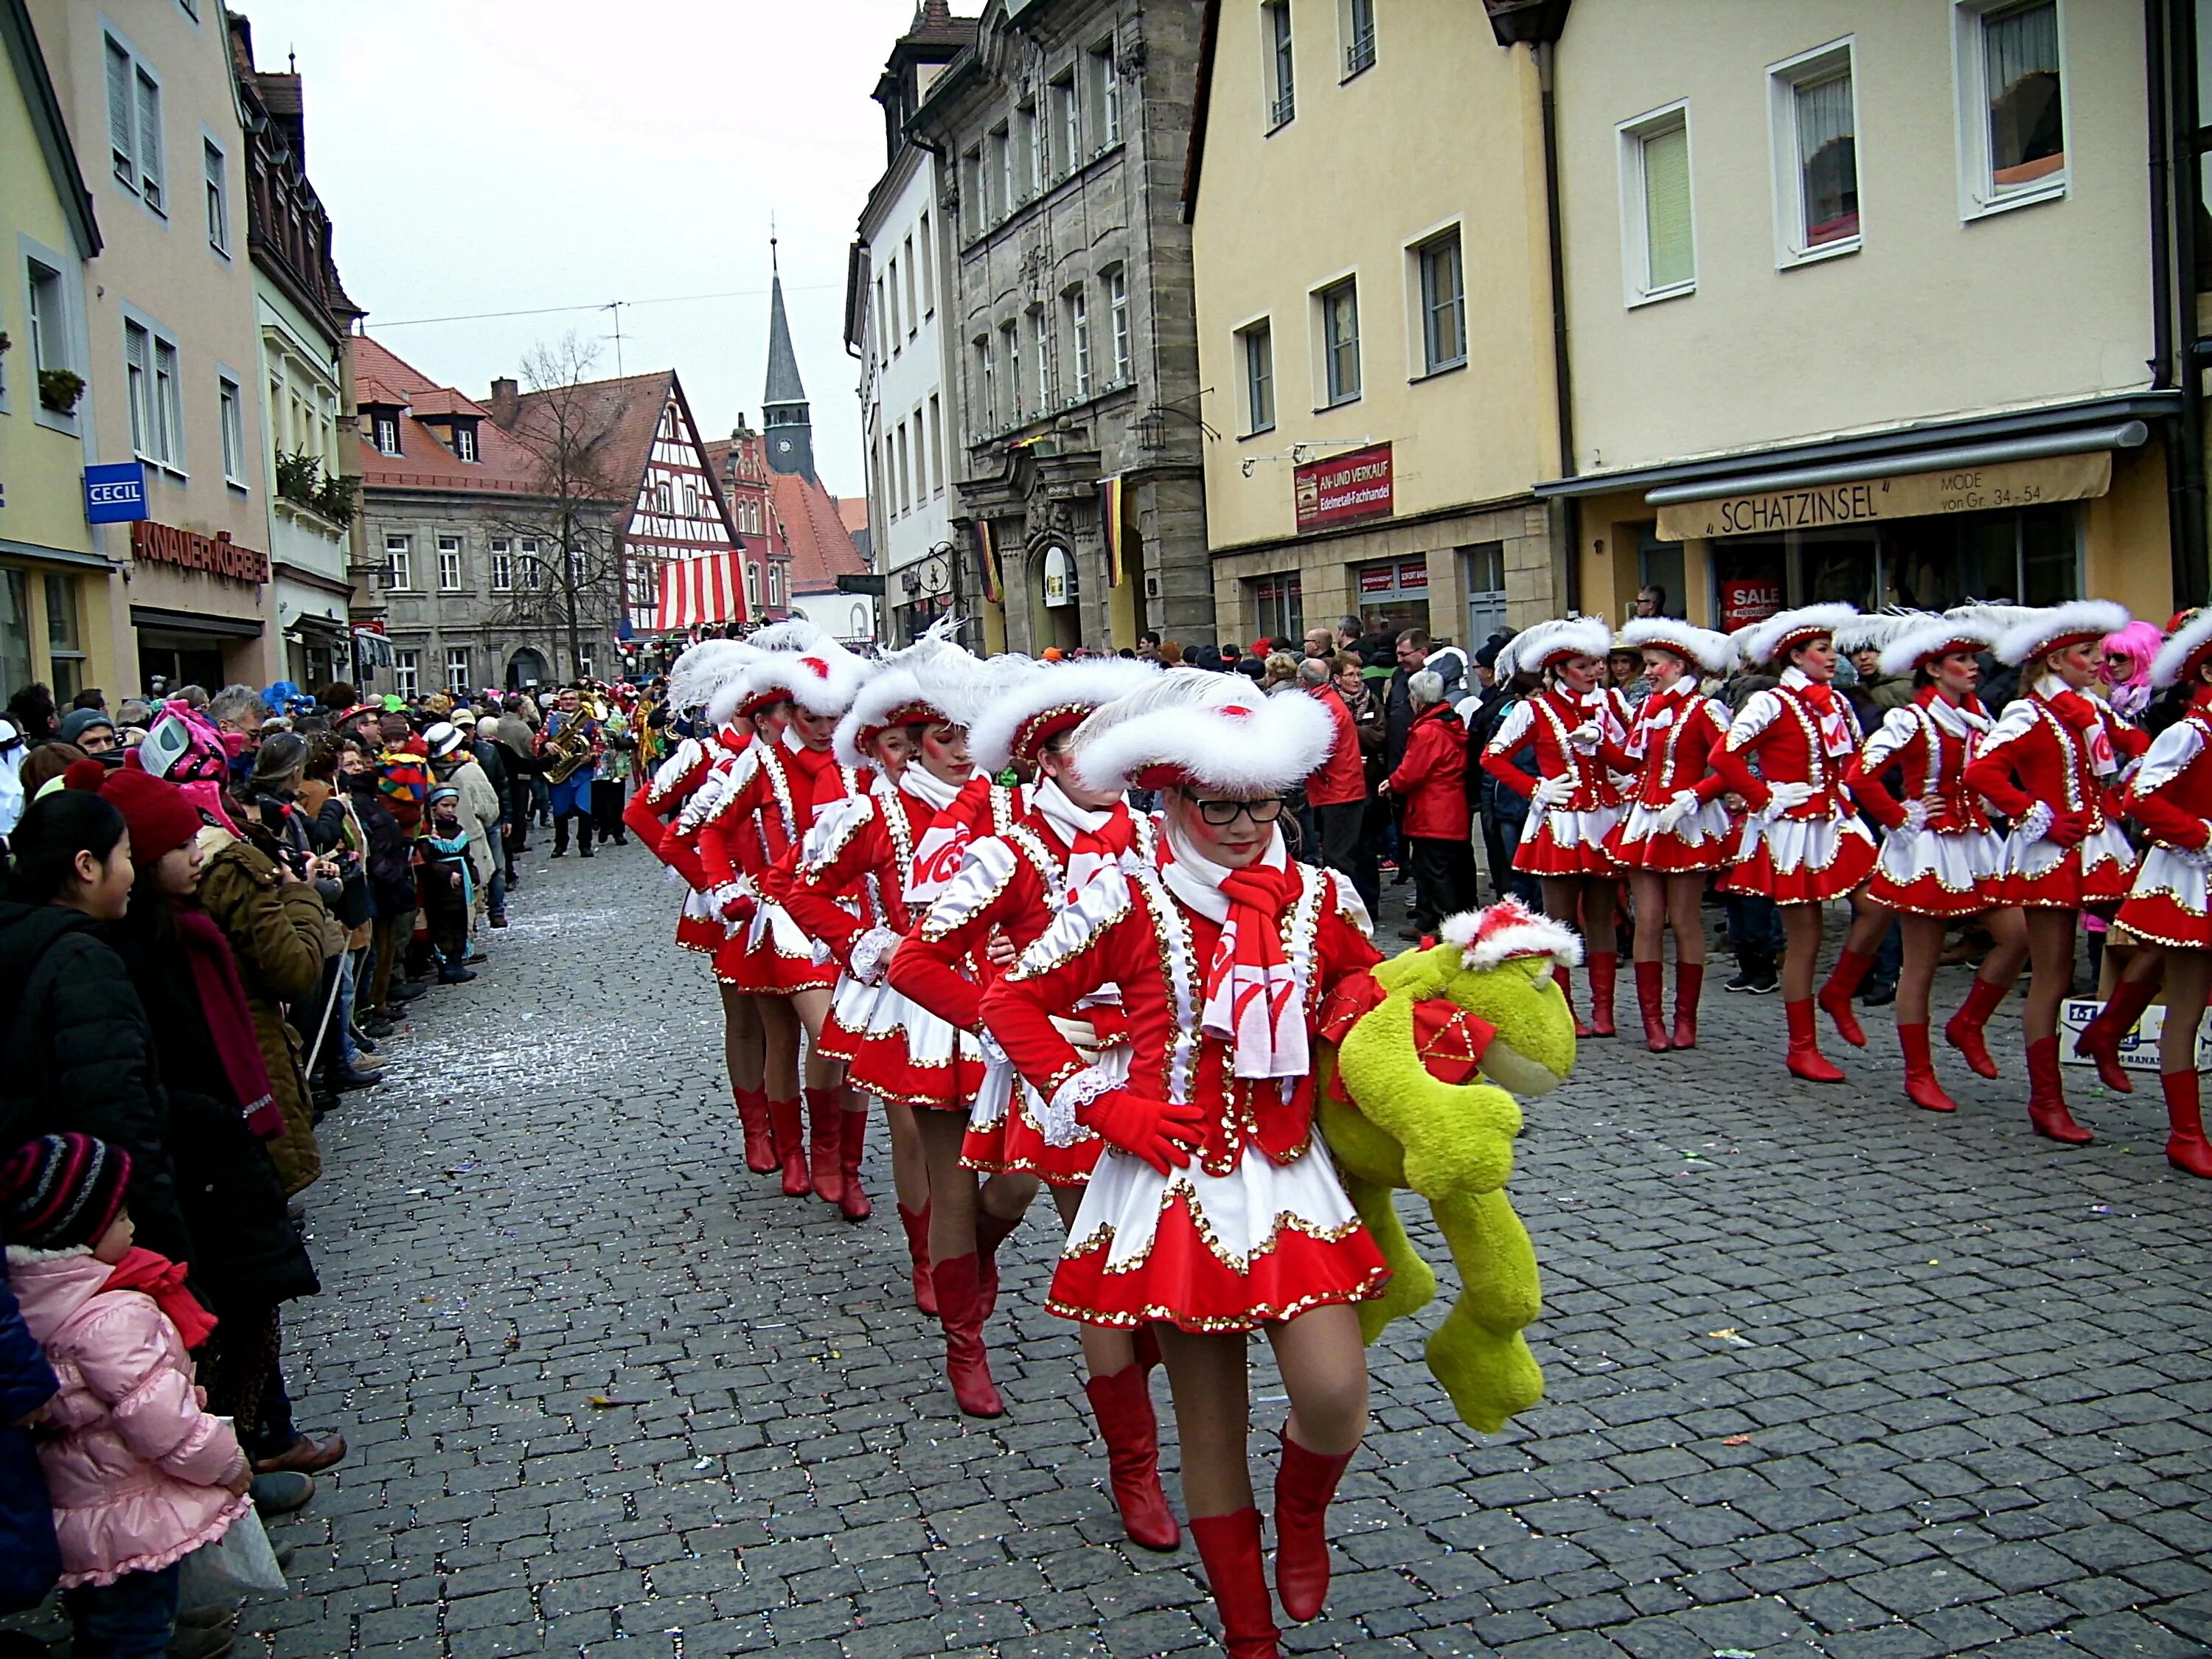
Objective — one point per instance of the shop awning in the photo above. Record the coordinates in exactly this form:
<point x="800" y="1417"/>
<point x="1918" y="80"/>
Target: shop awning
<point x="195" y="622"/>
<point x="371" y="650"/>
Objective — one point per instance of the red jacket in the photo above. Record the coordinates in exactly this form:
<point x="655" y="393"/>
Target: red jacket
<point x="1341" y="777"/>
<point x="1430" y="782"/>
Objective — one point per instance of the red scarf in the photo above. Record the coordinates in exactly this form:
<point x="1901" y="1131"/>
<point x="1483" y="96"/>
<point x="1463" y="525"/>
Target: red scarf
<point x="1252" y="995"/>
<point x="230" y="1022"/>
<point x="164" y="1280"/>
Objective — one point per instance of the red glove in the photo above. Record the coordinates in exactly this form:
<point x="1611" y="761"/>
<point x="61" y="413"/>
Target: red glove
<point x="1157" y="1131"/>
<point x="2069" y="829"/>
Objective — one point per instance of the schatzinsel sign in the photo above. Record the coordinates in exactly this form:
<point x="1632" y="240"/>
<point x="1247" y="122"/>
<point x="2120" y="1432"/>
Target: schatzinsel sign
<point x="1344" y="487"/>
<point x="219" y="555"/>
<point x="1991" y="487"/>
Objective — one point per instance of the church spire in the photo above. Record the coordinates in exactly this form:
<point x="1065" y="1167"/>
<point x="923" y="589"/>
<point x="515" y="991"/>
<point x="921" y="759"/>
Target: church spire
<point x="789" y="428"/>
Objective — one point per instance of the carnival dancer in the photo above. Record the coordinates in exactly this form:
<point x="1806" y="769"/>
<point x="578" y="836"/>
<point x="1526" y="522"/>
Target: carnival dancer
<point x="1007" y="890"/>
<point x="794" y="699"/>
<point x="568" y="746"/>
<point x="1940" y="862"/>
<point x="1804" y="844"/>
<point x="2051" y="764"/>
<point x="1216" y="1209"/>
<point x="1675" y="830"/>
<point x="2171" y="796"/>
<point x="1573" y="803"/>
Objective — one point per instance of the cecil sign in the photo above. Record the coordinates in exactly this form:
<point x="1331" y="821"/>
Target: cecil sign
<point x="1344" y="487"/>
<point x="164" y="544"/>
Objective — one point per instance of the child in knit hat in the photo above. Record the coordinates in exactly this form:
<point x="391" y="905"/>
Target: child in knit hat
<point x="139" y="1474"/>
<point x="441" y="854"/>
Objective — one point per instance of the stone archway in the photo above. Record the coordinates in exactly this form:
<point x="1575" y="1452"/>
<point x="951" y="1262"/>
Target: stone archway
<point x="528" y="668"/>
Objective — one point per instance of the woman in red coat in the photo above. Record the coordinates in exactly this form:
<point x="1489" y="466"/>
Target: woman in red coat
<point x="2169" y="907"/>
<point x="2052" y="765"/>
<point x="1940" y="862"/>
<point x="1573" y="803"/>
<point x="1430" y="786"/>
<point x="1675" y="831"/>
<point x="1804" y="844"/>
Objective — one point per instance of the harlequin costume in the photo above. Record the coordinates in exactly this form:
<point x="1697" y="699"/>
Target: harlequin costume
<point x="1673" y="822"/>
<point x="1573" y="802"/>
<point x="2052" y="765"/>
<point x="1223" y="975"/>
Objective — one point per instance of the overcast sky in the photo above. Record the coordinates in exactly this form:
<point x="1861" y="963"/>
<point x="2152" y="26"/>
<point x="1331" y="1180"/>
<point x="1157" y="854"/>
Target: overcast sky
<point x="506" y="154"/>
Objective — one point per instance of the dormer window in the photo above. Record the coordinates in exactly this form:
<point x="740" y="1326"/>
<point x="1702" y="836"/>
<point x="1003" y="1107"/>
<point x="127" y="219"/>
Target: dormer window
<point x="464" y="440"/>
<point x="387" y="433"/>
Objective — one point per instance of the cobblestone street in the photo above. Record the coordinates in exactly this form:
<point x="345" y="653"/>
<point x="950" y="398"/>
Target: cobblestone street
<point x="1827" y="1376"/>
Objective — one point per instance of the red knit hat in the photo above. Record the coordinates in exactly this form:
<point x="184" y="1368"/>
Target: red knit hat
<point x="160" y="817"/>
<point x="62" y="1192"/>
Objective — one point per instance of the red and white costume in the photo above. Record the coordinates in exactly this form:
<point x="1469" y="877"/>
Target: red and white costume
<point x="1668" y="751"/>
<point x="2052" y="765"/>
<point x="1804" y="842"/>
<point x="1222" y="975"/>
<point x="1939" y="855"/>
<point x="2170" y="795"/>
<point x="1573" y="800"/>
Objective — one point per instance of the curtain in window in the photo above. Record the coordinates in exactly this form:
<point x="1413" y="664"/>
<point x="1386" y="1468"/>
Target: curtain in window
<point x="1667" y="208"/>
<point x="1827" y="156"/>
<point x="2027" y="139"/>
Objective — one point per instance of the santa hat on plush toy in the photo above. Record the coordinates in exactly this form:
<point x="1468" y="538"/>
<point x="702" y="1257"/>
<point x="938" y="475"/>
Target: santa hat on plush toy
<point x="1215" y="730"/>
<point x="2059" y="626"/>
<point x="1703" y="649"/>
<point x="1025" y="717"/>
<point x="2180" y="658"/>
<point x="1510" y="929"/>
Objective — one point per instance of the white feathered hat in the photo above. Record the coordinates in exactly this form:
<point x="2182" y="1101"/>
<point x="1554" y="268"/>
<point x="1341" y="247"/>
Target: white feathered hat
<point x="1701" y="647"/>
<point x="1186" y="725"/>
<point x="892" y="697"/>
<point x="1025" y="716"/>
<point x="1510" y="929"/>
<point x="2182" y="655"/>
<point x="823" y="678"/>
<point x="1870" y="630"/>
<point x="705" y="669"/>
<point x="1540" y="645"/>
<point x="735" y="697"/>
<point x="2059" y="626"/>
<point x="1767" y="642"/>
<point x="1939" y="637"/>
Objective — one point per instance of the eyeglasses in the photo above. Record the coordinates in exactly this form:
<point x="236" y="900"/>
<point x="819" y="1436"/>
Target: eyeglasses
<point x="1223" y="813"/>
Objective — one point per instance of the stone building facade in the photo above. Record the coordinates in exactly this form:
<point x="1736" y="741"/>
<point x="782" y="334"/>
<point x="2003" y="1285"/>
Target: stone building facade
<point x="1066" y="274"/>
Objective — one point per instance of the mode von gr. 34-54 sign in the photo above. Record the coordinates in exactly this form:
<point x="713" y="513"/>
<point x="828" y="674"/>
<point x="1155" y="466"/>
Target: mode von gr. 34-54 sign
<point x="217" y="555"/>
<point x="1904" y="495"/>
<point x="1344" y="487"/>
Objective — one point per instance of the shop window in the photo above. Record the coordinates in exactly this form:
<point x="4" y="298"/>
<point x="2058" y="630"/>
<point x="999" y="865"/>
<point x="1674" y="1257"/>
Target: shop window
<point x="1444" y="302"/>
<point x="1815" y="113"/>
<point x="1659" y="566"/>
<point x="1277" y="607"/>
<point x="1259" y="341"/>
<point x="2012" y="107"/>
<point x="64" y="637"/>
<point x="407" y="673"/>
<point x="1281" y="69"/>
<point x="1392" y="595"/>
<point x="1658" y="242"/>
<point x="1339" y="338"/>
<point x="1482" y="577"/>
<point x="16" y="668"/>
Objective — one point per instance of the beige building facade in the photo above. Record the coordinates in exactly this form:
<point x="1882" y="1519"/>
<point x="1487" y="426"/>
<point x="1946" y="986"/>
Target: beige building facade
<point x="1860" y="305"/>
<point x="1369" y="235"/>
<point x="174" y="352"/>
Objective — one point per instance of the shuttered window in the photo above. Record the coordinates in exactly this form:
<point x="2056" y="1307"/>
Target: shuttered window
<point x="1668" y="258"/>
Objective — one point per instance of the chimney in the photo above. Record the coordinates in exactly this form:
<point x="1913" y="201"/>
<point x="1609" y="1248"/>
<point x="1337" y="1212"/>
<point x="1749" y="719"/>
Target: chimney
<point x="506" y="400"/>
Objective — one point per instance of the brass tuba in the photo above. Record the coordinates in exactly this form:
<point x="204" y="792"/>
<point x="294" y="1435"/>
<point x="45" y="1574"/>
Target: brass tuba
<point x="569" y="747"/>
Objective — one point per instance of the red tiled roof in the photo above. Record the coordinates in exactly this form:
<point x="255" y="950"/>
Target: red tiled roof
<point x="820" y="546"/>
<point x="444" y="400"/>
<point x="423" y="461"/>
<point x="853" y="511"/>
<point x="614" y="421"/>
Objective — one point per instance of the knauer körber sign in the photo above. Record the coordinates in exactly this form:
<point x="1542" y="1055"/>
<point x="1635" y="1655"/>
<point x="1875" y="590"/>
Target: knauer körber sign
<point x="1906" y="495"/>
<point x="164" y="544"/>
<point x="1344" y="487"/>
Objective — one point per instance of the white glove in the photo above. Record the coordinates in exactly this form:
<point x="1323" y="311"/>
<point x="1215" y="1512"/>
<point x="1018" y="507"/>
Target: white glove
<point x="872" y="955"/>
<point x="1671" y="816"/>
<point x="1916" y="815"/>
<point x="1550" y="792"/>
<point x="2035" y="824"/>
<point x="1786" y="797"/>
<point x="1586" y="737"/>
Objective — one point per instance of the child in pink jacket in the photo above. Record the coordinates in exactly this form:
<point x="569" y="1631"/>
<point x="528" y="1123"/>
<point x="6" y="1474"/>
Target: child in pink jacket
<point x="139" y="1474"/>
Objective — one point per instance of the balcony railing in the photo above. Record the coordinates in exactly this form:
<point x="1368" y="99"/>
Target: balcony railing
<point x="1281" y="112"/>
<point x="1360" y="54"/>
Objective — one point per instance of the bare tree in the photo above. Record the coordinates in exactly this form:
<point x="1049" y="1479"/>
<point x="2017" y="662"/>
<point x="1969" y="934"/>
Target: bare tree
<point x="564" y="424"/>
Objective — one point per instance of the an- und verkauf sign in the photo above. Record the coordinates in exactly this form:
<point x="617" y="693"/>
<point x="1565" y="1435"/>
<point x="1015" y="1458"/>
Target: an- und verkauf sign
<point x="1344" y="487"/>
<point x="217" y="555"/>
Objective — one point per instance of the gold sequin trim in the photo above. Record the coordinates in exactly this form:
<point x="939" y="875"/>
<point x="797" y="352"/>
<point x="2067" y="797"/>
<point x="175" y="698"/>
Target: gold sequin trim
<point x="1158" y="1313"/>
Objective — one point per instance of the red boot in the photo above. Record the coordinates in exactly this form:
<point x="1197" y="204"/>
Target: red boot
<point x="1567" y="985"/>
<point x="916" y="1223"/>
<point x="1123" y="1406"/>
<point x="789" y="1129"/>
<point x="1921" y="1087"/>
<point x="825" y="1111"/>
<point x="1806" y="1058"/>
<point x="2185" y="1148"/>
<point x="1651" y="1004"/>
<point x="760" y="1144"/>
<point x="1603" y="965"/>
<point x="1835" y="998"/>
<point x="1304" y="1483"/>
<point x="1964" y="1032"/>
<point x="1229" y="1546"/>
<point x="851" y="1200"/>
<point x="960" y="1309"/>
<point x="990" y="1233"/>
<point x="2047" y="1097"/>
<point x="2102" y="1041"/>
<point x="1689" y="987"/>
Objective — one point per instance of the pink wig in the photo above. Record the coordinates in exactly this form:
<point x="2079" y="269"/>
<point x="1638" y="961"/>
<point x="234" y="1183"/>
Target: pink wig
<point x="2138" y="642"/>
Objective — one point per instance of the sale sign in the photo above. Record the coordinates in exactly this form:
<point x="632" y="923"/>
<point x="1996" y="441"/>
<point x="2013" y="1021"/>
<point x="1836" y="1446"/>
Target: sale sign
<point x="1748" y="599"/>
<point x="1345" y="488"/>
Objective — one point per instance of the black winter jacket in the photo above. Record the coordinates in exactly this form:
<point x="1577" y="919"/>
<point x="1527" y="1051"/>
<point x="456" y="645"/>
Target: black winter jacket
<point x="80" y="1057"/>
<point x="30" y="1561"/>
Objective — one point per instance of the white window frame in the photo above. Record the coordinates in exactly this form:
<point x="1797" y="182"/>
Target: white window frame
<point x="398" y="564"/>
<point x="752" y="585"/>
<point x="140" y="168"/>
<point x="1040" y="346"/>
<point x="1105" y="70"/>
<point x="528" y="555"/>
<point x="157" y="402"/>
<point x="457" y="668"/>
<point x="928" y="258"/>
<point x="464" y="442"/>
<point x="1117" y="281"/>
<point x="407" y="673"/>
<point x="774" y="584"/>
<point x="214" y="164"/>
<point x="230" y="422"/>
<point x="1979" y="196"/>
<point x="502" y="565"/>
<point x="1248" y="335"/>
<point x="1783" y="81"/>
<point x="1065" y="95"/>
<point x="1416" y="299"/>
<point x="936" y="446"/>
<point x="1635" y="238"/>
<point x="53" y="329"/>
<point x="1075" y="306"/>
<point x="449" y="564"/>
<point x="1278" y="73"/>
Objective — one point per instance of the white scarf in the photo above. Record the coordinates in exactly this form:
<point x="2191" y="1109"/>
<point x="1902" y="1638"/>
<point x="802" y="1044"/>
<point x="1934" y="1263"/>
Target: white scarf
<point x="1072" y="824"/>
<point x="937" y="855"/>
<point x="926" y="786"/>
<point x="1260" y="1011"/>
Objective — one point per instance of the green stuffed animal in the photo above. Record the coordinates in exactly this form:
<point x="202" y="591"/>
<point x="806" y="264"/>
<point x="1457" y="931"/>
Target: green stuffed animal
<point x="1482" y="1010"/>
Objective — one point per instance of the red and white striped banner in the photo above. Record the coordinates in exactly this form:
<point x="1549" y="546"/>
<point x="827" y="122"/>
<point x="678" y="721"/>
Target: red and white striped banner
<point x="697" y="592"/>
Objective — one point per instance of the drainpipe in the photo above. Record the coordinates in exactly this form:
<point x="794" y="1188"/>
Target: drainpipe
<point x="2169" y="57"/>
<point x="1567" y="515"/>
